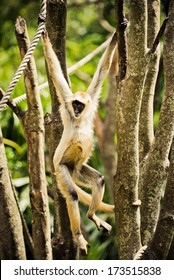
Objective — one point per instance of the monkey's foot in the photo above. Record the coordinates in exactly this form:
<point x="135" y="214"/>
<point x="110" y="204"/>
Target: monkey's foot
<point x="100" y="223"/>
<point x="81" y="243"/>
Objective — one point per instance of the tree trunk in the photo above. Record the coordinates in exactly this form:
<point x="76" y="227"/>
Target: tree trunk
<point x="153" y="173"/>
<point x="162" y="240"/>
<point x="12" y="245"/>
<point x="34" y="128"/>
<point x="129" y="95"/>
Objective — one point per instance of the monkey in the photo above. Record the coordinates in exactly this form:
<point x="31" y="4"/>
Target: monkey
<point x="77" y="112"/>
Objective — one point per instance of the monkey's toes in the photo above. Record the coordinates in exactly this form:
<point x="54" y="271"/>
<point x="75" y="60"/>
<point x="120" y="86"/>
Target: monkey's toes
<point x="84" y="249"/>
<point x="101" y="224"/>
<point x="82" y="243"/>
<point x="106" y="227"/>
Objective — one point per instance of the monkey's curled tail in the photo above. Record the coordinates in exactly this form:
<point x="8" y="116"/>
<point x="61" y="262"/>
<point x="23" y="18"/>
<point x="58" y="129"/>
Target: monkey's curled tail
<point x="86" y="199"/>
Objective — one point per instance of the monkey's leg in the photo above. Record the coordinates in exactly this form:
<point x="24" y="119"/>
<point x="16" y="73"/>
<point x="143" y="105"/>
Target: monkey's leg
<point x="91" y="178"/>
<point x="86" y="199"/>
<point x="66" y="186"/>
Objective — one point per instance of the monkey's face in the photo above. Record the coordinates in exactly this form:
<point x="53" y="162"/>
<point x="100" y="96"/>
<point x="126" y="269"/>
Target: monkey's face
<point x="78" y="107"/>
<point x="79" y="104"/>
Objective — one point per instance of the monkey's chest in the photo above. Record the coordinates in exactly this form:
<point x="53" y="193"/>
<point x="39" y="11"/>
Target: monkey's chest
<point x="77" y="152"/>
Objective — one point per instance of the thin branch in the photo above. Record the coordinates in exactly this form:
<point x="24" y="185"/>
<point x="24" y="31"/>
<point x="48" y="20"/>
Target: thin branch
<point x="122" y="45"/>
<point x="158" y="37"/>
<point x="16" y="109"/>
<point x="146" y="128"/>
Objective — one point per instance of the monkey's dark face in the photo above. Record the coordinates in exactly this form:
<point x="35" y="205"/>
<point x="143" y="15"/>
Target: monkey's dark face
<point x="78" y="107"/>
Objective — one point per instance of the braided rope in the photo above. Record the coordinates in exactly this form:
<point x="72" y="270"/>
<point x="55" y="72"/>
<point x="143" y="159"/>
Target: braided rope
<point x="71" y="69"/>
<point x="87" y="58"/>
<point x="27" y="56"/>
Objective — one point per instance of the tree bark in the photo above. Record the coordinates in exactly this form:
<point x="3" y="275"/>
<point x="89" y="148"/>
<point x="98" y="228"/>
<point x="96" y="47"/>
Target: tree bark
<point x="160" y="245"/>
<point x="153" y="174"/>
<point x="170" y="255"/>
<point x="122" y="44"/>
<point x="34" y="129"/>
<point x="129" y="95"/>
<point x="12" y="245"/>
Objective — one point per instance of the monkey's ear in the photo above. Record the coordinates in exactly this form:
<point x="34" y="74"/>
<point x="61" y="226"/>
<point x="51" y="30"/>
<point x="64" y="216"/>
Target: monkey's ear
<point x="102" y="69"/>
<point x="62" y="88"/>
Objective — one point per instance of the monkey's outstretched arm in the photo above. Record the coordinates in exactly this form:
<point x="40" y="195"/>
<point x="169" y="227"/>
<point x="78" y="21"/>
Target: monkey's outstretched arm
<point x="102" y="69"/>
<point x="55" y="70"/>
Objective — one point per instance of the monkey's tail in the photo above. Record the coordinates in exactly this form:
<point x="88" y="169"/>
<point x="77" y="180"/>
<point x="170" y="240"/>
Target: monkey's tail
<point x="86" y="199"/>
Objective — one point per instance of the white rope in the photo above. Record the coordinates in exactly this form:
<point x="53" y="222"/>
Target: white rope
<point x="27" y="56"/>
<point x="70" y="70"/>
<point x="23" y="65"/>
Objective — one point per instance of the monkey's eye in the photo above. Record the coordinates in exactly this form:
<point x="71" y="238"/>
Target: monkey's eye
<point x="78" y="107"/>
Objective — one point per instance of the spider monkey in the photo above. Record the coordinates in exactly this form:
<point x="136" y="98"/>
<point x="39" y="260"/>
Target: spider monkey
<point x="70" y="159"/>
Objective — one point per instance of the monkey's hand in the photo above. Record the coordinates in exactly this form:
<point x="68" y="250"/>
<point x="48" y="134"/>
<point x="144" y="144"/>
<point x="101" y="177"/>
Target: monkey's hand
<point x="100" y="223"/>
